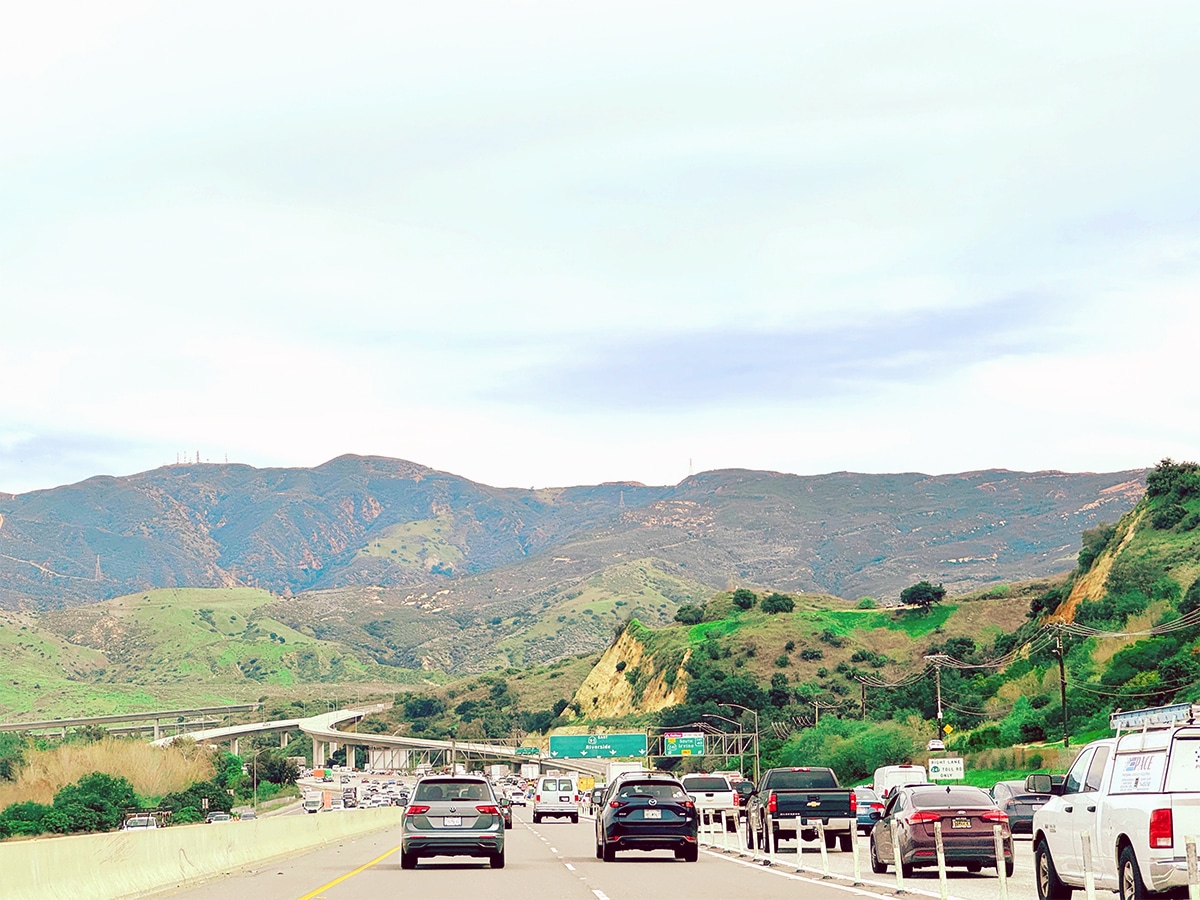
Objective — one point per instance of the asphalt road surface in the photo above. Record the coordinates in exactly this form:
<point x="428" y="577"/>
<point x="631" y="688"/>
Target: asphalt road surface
<point x="556" y="859"/>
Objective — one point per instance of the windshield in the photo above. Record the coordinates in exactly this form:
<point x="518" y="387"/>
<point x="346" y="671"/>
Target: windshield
<point x="799" y="781"/>
<point x="659" y="789"/>
<point x="706" y="784"/>
<point x="451" y="790"/>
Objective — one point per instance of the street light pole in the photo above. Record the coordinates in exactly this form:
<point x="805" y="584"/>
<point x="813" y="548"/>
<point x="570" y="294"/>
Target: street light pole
<point x="753" y="712"/>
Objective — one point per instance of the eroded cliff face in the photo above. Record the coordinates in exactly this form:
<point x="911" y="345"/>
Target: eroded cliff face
<point x="607" y="692"/>
<point x="1090" y="586"/>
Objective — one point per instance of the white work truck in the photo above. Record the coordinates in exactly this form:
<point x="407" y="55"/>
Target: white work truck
<point x="1134" y="798"/>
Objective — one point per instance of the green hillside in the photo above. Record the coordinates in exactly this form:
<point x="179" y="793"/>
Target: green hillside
<point x="170" y="647"/>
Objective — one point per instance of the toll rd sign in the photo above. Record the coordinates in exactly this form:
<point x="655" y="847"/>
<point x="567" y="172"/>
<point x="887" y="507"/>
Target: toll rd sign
<point x="949" y="769"/>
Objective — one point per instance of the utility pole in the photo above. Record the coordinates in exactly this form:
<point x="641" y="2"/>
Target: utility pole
<point x="863" y="702"/>
<point x="1062" y="684"/>
<point x="936" y="659"/>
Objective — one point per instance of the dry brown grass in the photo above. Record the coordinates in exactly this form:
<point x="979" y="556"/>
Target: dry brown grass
<point x="152" y="771"/>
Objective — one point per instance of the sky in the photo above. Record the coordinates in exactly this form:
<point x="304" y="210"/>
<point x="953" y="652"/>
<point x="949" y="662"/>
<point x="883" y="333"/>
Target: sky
<point x="539" y="244"/>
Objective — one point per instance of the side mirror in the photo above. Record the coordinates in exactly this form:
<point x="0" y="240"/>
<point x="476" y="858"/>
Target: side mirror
<point x="505" y="802"/>
<point x="876" y="814"/>
<point x="1039" y="784"/>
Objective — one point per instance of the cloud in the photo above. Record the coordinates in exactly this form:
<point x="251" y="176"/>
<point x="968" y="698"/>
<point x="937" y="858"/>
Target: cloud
<point x="793" y="365"/>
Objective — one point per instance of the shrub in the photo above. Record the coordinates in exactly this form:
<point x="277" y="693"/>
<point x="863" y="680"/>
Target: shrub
<point x="744" y="599"/>
<point x="830" y="637"/>
<point x="1094" y="542"/>
<point x="867" y="603"/>
<point x="812" y="653"/>
<point x="689" y="615"/>
<point x="783" y="660"/>
<point x="621" y="666"/>
<point x="789" y="646"/>
<point x="778" y="603"/>
<point x="1169" y="516"/>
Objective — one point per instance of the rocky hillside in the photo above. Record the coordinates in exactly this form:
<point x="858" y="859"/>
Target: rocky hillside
<point x="368" y="523"/>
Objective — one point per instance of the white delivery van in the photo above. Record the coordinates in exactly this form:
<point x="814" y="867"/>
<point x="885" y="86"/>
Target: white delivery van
<point x="887" y="778"/>
<point x="556" y="796"/>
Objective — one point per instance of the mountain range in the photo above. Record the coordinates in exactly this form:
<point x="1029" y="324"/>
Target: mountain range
<point x="377" y="523"/>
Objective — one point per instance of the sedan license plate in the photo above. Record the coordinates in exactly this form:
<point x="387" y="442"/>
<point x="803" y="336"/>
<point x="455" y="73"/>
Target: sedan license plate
<point x="652" y="813"/>
<point x="452" y="821"/>
<point x="961" y="822"/>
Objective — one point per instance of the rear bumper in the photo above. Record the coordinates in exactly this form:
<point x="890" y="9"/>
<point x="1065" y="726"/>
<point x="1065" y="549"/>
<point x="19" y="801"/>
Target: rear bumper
<point x="1164" y="874"/>
<point x="668" y="839"/>
<point x="461" y="844"/>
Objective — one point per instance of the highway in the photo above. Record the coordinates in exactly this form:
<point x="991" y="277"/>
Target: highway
<point x="557" y="859"/>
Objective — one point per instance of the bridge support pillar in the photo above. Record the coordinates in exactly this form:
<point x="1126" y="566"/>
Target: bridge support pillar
<point x="157" y="730"/>
<point x="318" y="754"/>
<point x="233" y="747"/>
<point x="284" y="738"/>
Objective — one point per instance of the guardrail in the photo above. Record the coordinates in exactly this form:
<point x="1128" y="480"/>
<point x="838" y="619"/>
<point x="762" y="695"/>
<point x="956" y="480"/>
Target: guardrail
<point x="133" y="863"/>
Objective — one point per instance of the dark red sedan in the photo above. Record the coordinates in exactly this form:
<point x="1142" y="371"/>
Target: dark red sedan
<point x="968" y="816"/>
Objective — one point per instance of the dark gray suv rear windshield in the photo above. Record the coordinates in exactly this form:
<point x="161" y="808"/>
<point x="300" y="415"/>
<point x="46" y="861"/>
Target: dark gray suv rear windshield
<point x="451" y="790"/>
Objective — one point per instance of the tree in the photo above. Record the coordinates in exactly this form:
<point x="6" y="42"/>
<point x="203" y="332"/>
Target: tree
<point x="778" y="603"/>
<point x="744" y="599"/>
<point x="922" y="594"/>
<point x="689" y="615"/>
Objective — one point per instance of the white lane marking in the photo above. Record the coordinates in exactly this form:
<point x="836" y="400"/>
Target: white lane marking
<point x="569" y="866"/>
<point x="845" y="888"/>
<point x="600" y="895"/>
<point x="553" y="849"/>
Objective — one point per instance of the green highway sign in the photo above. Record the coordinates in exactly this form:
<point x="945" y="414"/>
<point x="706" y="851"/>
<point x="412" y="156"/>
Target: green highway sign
<point x="683" y="744"/>
<point x="596" y="746"/>
<point x="528" y="751"/>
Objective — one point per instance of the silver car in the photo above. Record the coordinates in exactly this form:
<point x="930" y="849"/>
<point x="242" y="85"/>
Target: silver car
<point x="452" y="815"/>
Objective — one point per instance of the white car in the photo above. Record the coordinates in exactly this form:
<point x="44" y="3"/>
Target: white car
<point x="517" y="796"/>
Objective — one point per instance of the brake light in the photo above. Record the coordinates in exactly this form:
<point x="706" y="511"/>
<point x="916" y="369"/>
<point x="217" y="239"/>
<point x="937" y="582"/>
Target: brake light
<point x="416" y="810"/>
<point x="925" y="817"/>
<point x="1162" y="828"/>
<point x="772" y="804"/>
<point x="995" y="815"/>
<point x="736" y="798"/>
<point x="688" y="804"/>
<point x="878" y="806"/>
<point x="537" y="798"/>
<point x="853" y="804"/>
<point x="487" y="810"/>
<point x="576" y="798"/>
<point x="615" y="804"/>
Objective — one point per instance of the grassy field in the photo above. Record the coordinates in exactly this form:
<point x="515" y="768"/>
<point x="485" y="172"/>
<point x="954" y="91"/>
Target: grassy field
<point x="166" y="648"/>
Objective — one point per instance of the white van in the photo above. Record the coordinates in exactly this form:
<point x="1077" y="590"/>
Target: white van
<point x="887" y="778"/>
<point x="556" y="796"/>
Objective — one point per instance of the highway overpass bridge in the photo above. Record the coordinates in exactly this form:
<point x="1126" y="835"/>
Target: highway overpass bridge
<point x="384" y="751"/>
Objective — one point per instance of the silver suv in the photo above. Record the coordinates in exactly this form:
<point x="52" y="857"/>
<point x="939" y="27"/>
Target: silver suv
<point x="452" y="815"/>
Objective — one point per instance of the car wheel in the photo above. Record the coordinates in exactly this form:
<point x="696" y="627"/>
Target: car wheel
<point x="507" y="826"/>
<point x="906" y="869"/>
<point x="609" y="854"/>
<point x="408" y="859"/>
<point x="1010" y="866"/>
<point x="537" y="820"/>
<point x="830" y="840"/>
<point x="877" y="867"/>
<point x="1129" y="878"/>
<point x="749" y="837"/>
<point x="599" y="851"/>
<point x="1049" y="887"/>
<point x="691" y="854"/>
<point x="974" y="868"/>
<point x="846" y="842"/>
<point x="497" y="860"/>
<point x="575" y="819"/>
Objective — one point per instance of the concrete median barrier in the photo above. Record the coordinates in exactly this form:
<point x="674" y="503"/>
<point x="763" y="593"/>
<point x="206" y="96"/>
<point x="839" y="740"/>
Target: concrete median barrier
<point x="129" y="864"/>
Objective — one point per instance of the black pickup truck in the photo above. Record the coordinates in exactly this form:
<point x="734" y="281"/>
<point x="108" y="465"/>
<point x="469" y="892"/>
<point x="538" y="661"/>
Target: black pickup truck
<point x="809" y="794"/>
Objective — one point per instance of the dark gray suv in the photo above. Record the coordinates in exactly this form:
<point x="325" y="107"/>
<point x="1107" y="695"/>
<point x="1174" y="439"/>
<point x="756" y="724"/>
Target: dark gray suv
<point x="452" y="815"/>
